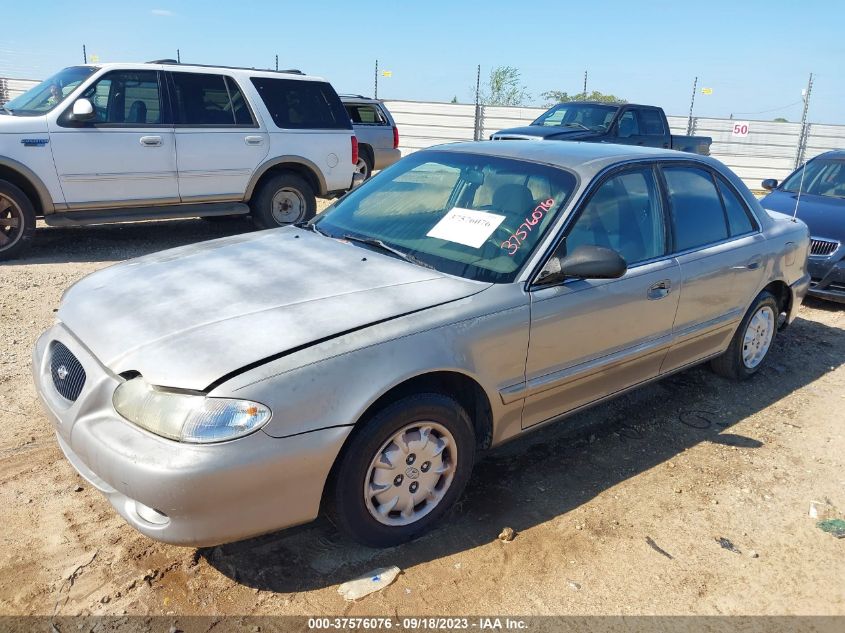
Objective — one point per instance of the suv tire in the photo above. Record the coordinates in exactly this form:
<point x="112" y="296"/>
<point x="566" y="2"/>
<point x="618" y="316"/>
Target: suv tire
<point x="284" y="199"/>
<point x="424" y="446"/>
<point x="17" y="220"/>
<point x="365" y="161"/>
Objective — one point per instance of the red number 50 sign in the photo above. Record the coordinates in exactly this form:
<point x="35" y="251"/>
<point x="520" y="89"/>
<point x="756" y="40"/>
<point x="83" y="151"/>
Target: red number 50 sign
<point x="740" y="129"/>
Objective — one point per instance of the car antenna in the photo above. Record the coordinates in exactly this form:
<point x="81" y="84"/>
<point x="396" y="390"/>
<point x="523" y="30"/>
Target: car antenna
<point x="800" y="187"/>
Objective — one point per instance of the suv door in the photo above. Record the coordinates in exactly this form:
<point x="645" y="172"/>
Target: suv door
<point x="591" y="338"/>
<point x="716" y="241"/>
<point x="125" y="155"/>
<point x="219" y="143"/>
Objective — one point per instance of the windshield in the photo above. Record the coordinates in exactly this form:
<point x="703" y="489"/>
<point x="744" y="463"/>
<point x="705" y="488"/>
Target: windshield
<point x="50" y="92"/>
<point x="822" y="177"/>
<point x="586" y="116"/>
<point x="474" y="216"/>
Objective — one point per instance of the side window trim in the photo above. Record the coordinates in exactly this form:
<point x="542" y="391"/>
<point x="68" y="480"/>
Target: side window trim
<point x="163" y="98"/>
<point x="585" y="199"/>
<point x="661" y="165"/>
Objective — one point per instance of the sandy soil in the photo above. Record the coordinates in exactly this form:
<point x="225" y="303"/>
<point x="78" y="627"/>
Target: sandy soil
<point x="617" y="511"/>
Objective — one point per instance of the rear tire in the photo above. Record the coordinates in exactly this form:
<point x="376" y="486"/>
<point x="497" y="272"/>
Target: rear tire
<point x="752" y="340"/>
<point x="284" y="199"/>
<point x="17" y="221"/>
<point x="403" y="470"/>
<point x="365" y="162"/>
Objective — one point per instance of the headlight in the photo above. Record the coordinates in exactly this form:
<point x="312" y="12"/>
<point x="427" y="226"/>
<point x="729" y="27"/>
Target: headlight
<point x="186" y="417"/>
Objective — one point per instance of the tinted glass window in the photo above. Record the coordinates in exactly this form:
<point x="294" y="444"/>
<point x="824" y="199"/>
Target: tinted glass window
<point x="297" y="104"/>
<point x="623" y="214"/>
<point x="651" y="122"/>
<point x="697" y="214"/>
<point x="127" y="97"/>
<point x="365" y="115"/>
<point x="628" y="124"/>
<point x="203" y="99"/>
<point x="822" y="177"/>
<point x="738" y="218"/>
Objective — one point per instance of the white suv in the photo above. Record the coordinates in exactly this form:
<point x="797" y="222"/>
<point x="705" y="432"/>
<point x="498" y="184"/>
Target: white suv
<point x="121" y="142"/>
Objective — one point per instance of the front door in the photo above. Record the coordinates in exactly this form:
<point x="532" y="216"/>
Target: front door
<point x="219" y="144"/>
<point x="125" y="155"/>
<point x="592" y="338"/>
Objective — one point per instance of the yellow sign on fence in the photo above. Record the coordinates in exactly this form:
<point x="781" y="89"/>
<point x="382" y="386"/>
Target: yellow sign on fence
<point x="707" y="91"/>
<point x="387" y="73"/>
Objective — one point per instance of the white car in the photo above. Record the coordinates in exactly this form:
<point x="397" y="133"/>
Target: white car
<point x="120" y="142"/>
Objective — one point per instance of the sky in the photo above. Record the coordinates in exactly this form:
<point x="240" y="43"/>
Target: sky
<point x="755" y="56"/>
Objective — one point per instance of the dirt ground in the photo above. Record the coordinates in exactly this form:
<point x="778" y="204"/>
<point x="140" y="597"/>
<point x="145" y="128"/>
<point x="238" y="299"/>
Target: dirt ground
<point x="616" y="511"/>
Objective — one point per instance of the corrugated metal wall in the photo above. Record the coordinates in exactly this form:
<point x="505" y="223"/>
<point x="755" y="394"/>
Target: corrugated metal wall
<point x="769" y="150"/>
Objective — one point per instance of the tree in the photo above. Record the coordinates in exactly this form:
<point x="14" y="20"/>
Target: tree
<point x="504" y="88"/>
<point x="557" y="96"/>
<point x="780" y="119"/>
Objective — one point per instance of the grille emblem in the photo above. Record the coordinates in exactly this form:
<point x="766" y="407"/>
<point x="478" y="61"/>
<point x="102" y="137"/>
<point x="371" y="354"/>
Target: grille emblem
<point x="62" y="372"/>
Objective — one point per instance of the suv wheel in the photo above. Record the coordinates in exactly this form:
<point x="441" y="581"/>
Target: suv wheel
<point x="752" y="341"/>
<point x="17" y="220"/>
<point x="404" y="469"/>
<point x="365" y="163"/>
<point x="284" y="199"/>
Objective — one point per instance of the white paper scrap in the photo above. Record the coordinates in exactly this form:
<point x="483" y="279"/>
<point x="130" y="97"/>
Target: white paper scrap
<point x="467" y="227"/>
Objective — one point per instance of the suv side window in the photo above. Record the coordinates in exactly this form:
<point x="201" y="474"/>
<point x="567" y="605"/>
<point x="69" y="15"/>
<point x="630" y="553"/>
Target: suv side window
<point x="300" y="104"/>
<point x="651" y="122"/>
<point x="697" y="214"/>
<point x="205" y="99"/>
<point x="365" y="114"/>
<point x="625" y="214"/>
<point x="127" y="98"/>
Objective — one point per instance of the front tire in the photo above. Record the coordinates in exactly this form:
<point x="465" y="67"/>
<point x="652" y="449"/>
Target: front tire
<point x="752" y="340"/>
<point x="284" y="199"/>
<point x="17" y="221"/>
<point x="403" y="470"/>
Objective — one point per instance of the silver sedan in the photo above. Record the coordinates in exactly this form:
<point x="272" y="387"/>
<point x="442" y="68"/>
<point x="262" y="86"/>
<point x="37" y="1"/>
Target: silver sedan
<point x="463" y="296"/>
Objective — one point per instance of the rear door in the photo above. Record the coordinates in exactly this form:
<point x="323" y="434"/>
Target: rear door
<point x="125" y="155"/>
<point x="720" y="270"/>
<point x="219" y="143"/>
<point x="592" y="338"/>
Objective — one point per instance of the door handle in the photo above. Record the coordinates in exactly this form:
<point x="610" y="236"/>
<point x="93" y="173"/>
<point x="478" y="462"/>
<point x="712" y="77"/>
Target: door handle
<point x="660" y="289"/>
<point x="754" y="264"/>
<point x="253" y="140"/>
<point x="151" y="141"/>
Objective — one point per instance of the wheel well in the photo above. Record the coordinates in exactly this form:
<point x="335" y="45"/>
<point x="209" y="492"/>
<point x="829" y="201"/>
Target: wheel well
<point x="297" y="168"/>
<point x="23" y="183"/>
<point x="780" y="291"/>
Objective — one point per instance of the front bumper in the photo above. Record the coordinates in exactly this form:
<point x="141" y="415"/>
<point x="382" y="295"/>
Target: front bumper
<point x="185" y="494"/>
<point x="828" y="278"/>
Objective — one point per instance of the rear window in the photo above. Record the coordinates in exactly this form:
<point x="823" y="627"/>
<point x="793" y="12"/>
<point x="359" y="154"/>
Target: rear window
<point x="365" y="114"/>
<point x="297" y="104"/>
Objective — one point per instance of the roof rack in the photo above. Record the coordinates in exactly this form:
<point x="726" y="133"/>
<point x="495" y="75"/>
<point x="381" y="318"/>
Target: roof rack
<point x="287" y="71"/>
<point x="354" y="96"/>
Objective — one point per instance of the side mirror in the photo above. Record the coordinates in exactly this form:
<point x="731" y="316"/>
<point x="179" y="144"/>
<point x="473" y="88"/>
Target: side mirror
<point x="585" y="262"/>
<point x="82" y="110"/>
<point x="769" y="183"/>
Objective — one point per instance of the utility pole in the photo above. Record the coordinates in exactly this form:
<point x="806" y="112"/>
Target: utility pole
<point x="585" y="84"/>
<point x="375" y="90"/>
<point x="691" y="104"/>
<point x="802" y="140"/>
<point x="178" y="57"/>
<point x="477" y="135"/>
<point x="277" y="62"/>
<point x="84" y="55"/>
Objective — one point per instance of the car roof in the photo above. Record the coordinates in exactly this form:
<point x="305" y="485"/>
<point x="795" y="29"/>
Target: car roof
<point x="835" y="153"/>
<point x="203" y="68"/>
<point x="584" y="158"/>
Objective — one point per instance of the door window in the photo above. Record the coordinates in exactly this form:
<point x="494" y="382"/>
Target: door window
<point x="624" y="214"/>
<point x="628" y="124"/>
<point x="205" y="99"/>
<point x="652" y="122"/>
<point x="126" y="98"/>
<point x="697" y="214"/>
<point x="739" y="220"/>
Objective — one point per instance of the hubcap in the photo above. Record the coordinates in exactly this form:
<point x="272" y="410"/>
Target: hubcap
<point x="399" y="492"/>
<point x="288" y="206"/>
<point x="11" y="222"/>
<point x="361" y="167"/>
<point x="758" y="337"/>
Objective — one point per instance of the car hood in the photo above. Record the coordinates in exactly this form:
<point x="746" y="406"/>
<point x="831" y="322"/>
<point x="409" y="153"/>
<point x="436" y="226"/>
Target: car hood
<point x="10" y="124"/>
<point x="189" y="316"/>
<point x="824" y="215"/>
<point x="544" y="132"/>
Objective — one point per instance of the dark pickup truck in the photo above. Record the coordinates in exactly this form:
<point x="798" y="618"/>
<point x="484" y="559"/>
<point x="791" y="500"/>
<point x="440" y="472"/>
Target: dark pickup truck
<point x="626" y="124"/>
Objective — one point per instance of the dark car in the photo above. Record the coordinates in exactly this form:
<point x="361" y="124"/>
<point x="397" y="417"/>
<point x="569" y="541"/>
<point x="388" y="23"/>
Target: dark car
<point x="822" y="208"/>
<point x="623" y="124"/>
